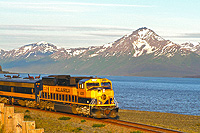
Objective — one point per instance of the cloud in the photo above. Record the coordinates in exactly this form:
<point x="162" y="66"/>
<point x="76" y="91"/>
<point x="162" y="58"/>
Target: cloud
<point x="192" y="35"/>
<point x="61" y="28"/>
<point x="47" y="7"/>
<point x="106" y="34"/>
<point x="185" y="35"/>
<point x="64" y="7"/>
<point x="61" y="6"/>
<point x="62" y="36"/>
<point x="73" y="3"/>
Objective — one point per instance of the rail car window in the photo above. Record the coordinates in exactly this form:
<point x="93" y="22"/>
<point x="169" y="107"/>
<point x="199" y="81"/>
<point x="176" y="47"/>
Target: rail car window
<point x="72" y="98"/>
<point x="5" y="88"/>
<point x="106" y="85"/>
<point x="24" y="90"/>
<point x="92" y="84"/>
<point x="69" y="98"/>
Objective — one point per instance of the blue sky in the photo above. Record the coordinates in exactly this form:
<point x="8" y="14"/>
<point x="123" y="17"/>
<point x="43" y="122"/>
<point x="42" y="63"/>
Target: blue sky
<point x="83" y="23"/>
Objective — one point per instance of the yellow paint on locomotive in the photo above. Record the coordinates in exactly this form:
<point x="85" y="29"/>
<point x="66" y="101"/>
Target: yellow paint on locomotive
<point x="63" y="93"/>
<point x="102" y="95"/>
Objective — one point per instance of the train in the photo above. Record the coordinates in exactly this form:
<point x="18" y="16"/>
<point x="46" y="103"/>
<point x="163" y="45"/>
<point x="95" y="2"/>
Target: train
<point x="86" y="96"/>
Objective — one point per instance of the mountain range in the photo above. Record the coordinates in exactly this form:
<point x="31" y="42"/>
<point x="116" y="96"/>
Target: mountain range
<point x="141" y="53"/>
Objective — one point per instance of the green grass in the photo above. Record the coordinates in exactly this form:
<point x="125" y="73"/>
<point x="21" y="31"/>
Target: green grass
<point x="27" y="117"/>
<point x="83" y="120"/>
<point x="77" y="129"/>
<point x="64" y="118"/>
<point x="98" y="125"/>
<point x="136" y="132"/>
<point x="27" y="111"/>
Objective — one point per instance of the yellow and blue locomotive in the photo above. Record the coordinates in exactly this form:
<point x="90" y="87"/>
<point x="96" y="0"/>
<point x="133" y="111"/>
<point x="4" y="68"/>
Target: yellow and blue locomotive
<point x="88" y="96"/>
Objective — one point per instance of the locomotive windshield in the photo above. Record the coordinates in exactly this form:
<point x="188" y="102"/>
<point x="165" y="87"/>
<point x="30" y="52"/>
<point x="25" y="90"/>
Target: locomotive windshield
<point x="106" y="85"/>
<point x="89" y="85"/>
<point x="94" y="86"/>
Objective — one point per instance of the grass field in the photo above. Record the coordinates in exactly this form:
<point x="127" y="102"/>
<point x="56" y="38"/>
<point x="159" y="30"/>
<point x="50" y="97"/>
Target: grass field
<point x="58" y="123"/>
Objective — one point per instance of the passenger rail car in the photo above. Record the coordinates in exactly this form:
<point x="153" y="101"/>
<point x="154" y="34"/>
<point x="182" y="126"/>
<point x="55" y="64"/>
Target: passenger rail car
<point x="87" y="96"/>
<point x="19" y="91"/>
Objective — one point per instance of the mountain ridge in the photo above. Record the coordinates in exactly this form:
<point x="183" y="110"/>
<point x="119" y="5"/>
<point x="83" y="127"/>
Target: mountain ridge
<point x="132" y="54"/>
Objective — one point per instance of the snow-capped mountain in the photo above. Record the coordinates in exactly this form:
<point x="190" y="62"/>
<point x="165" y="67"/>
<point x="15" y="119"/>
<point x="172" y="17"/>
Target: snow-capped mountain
<point x="36" y="50"/>
<point x="141" y="53"/>
<point x="140" y="42"/>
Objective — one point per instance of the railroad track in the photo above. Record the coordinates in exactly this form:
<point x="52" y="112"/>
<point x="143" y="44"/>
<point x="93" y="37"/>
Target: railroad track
<point x="136" y="126"/>
<point x="141" y="127"/>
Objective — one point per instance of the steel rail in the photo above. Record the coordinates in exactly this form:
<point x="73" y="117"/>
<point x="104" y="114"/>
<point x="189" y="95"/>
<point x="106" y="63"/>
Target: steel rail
<point x="142" y="127"/>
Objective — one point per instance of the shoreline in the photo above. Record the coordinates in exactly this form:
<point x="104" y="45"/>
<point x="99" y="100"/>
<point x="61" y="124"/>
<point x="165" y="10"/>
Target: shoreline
<point x="158" y="112"/>
<point x="180" y="122"/>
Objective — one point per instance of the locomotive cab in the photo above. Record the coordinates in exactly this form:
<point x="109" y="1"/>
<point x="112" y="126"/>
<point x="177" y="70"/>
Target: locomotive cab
<point x="102" y="102"/>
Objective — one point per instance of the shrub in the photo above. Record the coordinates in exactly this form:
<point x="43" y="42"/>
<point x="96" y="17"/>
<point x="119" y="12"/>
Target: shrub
<point x="98" y="125"/>
<point x="27" y="116"/>
<point x="77" y="129"/>
<point x="198" y="124"/>
<point x="83" y="120"/>
<point x="64" y="118"/>
<point x="27" y="111"/>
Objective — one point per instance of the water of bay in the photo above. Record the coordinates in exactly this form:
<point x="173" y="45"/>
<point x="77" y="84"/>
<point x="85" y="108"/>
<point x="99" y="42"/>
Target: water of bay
<point x="160" y="94"/>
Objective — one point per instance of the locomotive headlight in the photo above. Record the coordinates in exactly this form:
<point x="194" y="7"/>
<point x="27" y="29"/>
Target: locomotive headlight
<point x="103" y="90"/>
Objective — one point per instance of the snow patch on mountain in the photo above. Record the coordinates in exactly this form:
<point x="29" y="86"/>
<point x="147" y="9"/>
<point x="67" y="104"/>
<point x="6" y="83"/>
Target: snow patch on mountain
<point x="190" y="46"/>
<point x="107" y="45"/>
<point x="141" y="47"/>
<point x="143" y="32"/>
<point x="92" y="55"/>
<point x="78" y="52"/>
